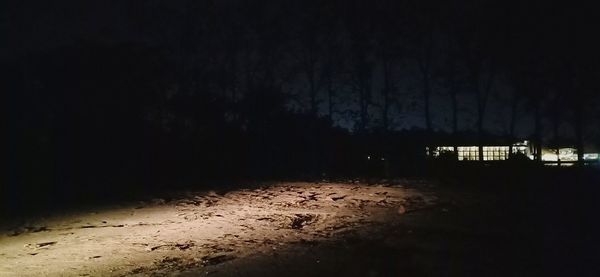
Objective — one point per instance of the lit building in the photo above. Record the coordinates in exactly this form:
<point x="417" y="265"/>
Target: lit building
<point x="565" y="156"/>
<point x="500" y="152"/>
<point x="490" y="152"/>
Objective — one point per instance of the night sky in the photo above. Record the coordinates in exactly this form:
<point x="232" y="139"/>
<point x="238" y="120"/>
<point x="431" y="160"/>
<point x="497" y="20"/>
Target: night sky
<point x="536" y="31"/>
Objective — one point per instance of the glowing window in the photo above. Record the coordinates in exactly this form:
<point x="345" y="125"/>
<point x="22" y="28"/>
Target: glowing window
<point x="468" y="153"/>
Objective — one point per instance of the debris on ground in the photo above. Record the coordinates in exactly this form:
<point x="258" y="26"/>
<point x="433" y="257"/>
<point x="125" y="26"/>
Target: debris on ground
<point x="213" y="260"/>
<point x="41" y="244"/>
<point x="202" y="229"/>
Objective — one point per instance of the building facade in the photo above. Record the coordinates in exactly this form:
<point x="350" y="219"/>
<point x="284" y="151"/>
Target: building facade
<point x="490" y="152"/>
<point x="500" y="152"/>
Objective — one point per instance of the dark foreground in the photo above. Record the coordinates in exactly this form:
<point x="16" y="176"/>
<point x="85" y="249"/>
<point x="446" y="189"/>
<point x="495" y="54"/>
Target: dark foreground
<point x="500" y="225"/>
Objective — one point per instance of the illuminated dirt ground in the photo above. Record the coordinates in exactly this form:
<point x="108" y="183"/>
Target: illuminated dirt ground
<point x="208" y="232"/>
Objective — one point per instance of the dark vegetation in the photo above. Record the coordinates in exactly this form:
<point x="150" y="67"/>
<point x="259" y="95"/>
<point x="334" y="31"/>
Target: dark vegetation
<point x="236" y="90"/>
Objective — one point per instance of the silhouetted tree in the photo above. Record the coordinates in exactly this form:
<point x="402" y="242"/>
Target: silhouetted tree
<point x="480" y="44"/>
<point x="389" y="50"/>
<point x="425" y="47"/>
<point x="361" y="68"/>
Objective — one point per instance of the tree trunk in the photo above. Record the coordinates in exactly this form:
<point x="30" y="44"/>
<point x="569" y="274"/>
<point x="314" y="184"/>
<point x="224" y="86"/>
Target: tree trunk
<point x="480" y="134"/>
<point x="364" y="107"/>
<point x="480" y="110"/>
<point x="555" y="125"/>
<point x="454" y="103"/>
<point x="513" y="122"/>
<point x="513" y="117"/>
<point x="364" y="90"/>
<point x="312" y="90"/>
<point x="538" y="131"/>
<point x="386" y="91"/>
<point x="426" y="97"/>
<point x="385" y="112"/>
<point x="579" y="132"/>
<point x="330" y="98"/>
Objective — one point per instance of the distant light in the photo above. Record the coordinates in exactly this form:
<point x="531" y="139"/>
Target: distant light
<point x="549" y="157"/>
<point x="590" y="156"/>
<point x="368" y="157"/>
<point x="564" y="154"/>
<point x="383" y="159"/>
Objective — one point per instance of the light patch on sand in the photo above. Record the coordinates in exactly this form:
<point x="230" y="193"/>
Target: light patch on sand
<point x="200" y="229"/>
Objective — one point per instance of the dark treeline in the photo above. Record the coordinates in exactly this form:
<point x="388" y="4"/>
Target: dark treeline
<point x="213" y="90"/>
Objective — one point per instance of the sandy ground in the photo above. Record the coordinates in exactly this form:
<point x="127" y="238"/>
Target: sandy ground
<point x="265" y="230"/>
